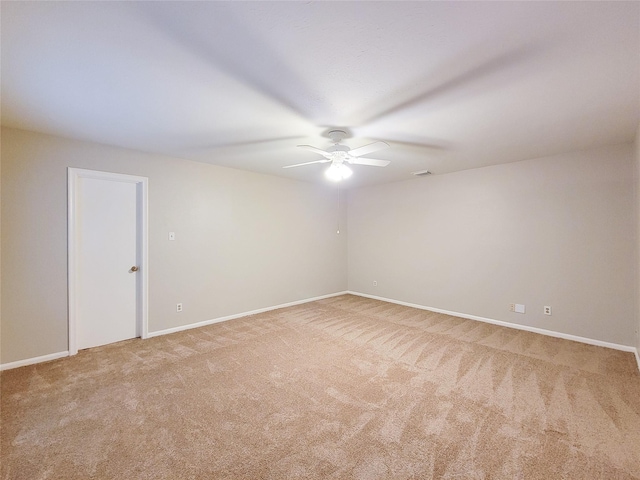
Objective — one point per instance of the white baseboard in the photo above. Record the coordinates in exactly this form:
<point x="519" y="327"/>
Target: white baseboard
<point x="54" y="356"/>
<point x="239" y="315"/>
<point x="31" y="361"/>
<point x="550" y="333"/>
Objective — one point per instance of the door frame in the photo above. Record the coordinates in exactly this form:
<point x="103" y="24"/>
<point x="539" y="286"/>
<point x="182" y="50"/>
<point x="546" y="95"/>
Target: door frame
<point x="142" y="250"/>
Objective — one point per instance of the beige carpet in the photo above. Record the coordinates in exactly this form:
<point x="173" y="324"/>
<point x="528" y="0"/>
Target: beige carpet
<point x="340" y="388"/>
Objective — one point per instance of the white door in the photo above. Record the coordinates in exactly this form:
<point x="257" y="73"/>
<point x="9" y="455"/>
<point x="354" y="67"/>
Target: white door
<point x="105" y="295"/>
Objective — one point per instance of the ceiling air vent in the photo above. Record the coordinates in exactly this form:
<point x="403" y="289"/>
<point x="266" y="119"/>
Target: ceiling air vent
<point x="421" y="173"/>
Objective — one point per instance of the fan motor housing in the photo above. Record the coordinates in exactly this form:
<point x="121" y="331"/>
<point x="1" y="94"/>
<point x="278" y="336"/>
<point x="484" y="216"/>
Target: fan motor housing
<point x="337" y="135"/>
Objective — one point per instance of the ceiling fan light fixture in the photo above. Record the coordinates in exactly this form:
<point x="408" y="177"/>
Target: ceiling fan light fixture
<point x="337" y="172"/>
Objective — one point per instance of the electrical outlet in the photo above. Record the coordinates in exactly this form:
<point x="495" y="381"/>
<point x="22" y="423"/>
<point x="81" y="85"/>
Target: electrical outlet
<point x="172" y="236"/>
<point x="375" y="283"/>
<point x="512" y="307"/>
<point x="516" y="307"/>
<point x="178" y="307"/>
<point x="547" y="310"/>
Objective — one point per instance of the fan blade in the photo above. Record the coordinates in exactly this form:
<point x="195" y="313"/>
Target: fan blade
<point x="372" y="147"/>
<point x="306" y="163"/>
<point x="269" y="74"/>
<point x="280" y="142"/>
<point x="487" y="74"/>
<point x="369" y="161"/>
<point x="426" y="145"/>
<point x="315" y="150"/>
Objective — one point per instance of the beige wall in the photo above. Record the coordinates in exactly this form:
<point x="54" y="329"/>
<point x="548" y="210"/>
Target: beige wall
<point x="637" y="238"/>
<point x="244" y="241"/>
<point x="0" y="247"/>
<point x="554" y="231"/>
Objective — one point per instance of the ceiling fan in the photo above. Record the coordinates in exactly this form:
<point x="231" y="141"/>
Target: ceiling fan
<point x="338" y="155"/>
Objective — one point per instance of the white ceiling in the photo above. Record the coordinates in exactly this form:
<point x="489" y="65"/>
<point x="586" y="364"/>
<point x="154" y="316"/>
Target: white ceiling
<point x="449" y="85"/>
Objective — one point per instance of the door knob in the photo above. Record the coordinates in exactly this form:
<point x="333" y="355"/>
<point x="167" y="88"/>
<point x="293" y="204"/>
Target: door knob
<point x="134" y="269"/>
